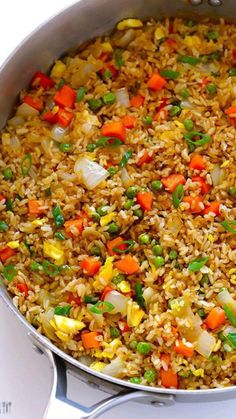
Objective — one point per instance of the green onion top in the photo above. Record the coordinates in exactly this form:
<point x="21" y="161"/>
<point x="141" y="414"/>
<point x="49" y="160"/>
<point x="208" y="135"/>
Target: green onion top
<point x="189" y="60"/>
<point x="80" y="94"/>
<point x="139" y="295"/>
<point x="3" y="226"/>
<point x="197" y="264"/>
<point x="108" y="141"/>
<point x="231" y="337"/>
<point x="50" y="268"/>
<point x="90" y="299"/>
<point x="170" y="74"/>
<point x="59" y="235"/>
<point x="62" y="310"/>
<point x="230" y="315"/>
<point x="202" y="139"/>
<point x="102" y="307"/>
<point x="26" y="164"/>
<point x="232" y="72"/>
<point x="130" y="244"/>
<point x="117" y="55"/>
<point x="9" y="272"/>
<point x="229" y="226"/>
<point x="178" y="195"/>
<point x="95" y="104"/>
<point x="58" y="216"/>
<point x="125" y="158"/>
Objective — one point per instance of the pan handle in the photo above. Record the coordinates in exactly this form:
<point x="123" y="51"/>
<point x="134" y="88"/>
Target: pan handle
<point x="58" y="401"/>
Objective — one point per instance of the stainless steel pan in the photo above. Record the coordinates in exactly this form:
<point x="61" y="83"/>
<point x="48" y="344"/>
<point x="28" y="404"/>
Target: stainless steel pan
<point x="81" y="21"/>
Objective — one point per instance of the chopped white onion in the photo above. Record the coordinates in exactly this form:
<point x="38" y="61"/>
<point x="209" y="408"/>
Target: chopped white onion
<point x="217" y="175"/>
<point x="15" y="142"/>
<point x="115" y="367"/>
<point x="118" y="300"/>
<point x="125" y="178"/>
<point x="92" y="173"/>
<point x="229" y="329"/>
<point x="15" y="121"/>
<point x="205" y="344"/>
<point x="148" y="294"/>
<point x="57" y="133"/>
<point x="46" y="326"/>
<point x="225" y="298"/>
<point x="122" y="97"/>
<point x="26" y="110"/>
<point x="125" y="40"/>
<point x="185" y="104"/>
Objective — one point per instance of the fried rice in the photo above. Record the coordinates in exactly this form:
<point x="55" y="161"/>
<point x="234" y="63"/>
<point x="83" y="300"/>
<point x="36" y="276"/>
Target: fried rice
<point x="118" y="188"/>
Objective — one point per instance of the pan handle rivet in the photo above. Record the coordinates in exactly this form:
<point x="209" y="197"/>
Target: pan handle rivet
<point x="159" y="404"/>
<point x="195" y="2"/>
<point x="215" y="2"/>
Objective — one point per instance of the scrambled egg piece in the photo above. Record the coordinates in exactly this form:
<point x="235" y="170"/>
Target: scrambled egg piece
<point x="134" y="314"/>
<point x="14" y="244"/>
<point x="129" y="23"/>
<point x="105" y="274"/>
<point x="55" y="251"/>
<point x="106" y="219"/>
<point x="58" y="69"/>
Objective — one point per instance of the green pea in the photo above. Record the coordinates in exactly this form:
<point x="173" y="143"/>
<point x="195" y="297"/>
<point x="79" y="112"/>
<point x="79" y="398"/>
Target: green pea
<point x="190" y="23"/>
<point x="95" y="216"/>
<point x="184" y="93"/>
<point x="232" y="192"/>
<point x="95" y="104"/>
<point x="128" y="204"/>
<point x="156" y="185"/>
<point x="232" y="72"/>
<point x="135" y="380"/>
<point x="211" y="89"/>
<point x="133" y="344"/>
<point x="112" y="170"/>
<point x="138" y="213"/>
<point x="7" y="173"/>
<point x="91" y="147"/>
<point x="173" y="254"/>
<point x="204" y="280"/>
<point x="65" y="147"/>
<point x="175" y="110"/>
<point x="118" y="278"/>
<point x="113" y="228"/>
<point x="109" y="98"/>
<point x="144" y="238"/>
<point x="201" y="312"/>
<point x="80" y="94"/>
<point x="188" y="124"/>
<point x="147" y="120"/>
<point x="131" y="192"/>
<point x="150" y="375"/>
<point x="144" y="348"/>
<point x="213" y="35"/>
<point x="159" y="261"/>
<point x="157" y="250"/>
<point x="115" y="333"/>
<point x="102" y="210"/>
<point x="3" y="226"/>
<point x="95" y="251"/>
<point x="107" y="74"/>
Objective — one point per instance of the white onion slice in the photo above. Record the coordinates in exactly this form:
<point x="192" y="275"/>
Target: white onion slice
<point x="92" y="173"/>
<point x="15" y="142"/>
<point x="114" y="368"/>
<point x="26" y="110"/>
<point x="118" y="300"/>
<point x="125" y="178"/>
<point x="185" y="104"/>
<point x="57" y="132"/>
<point x="225" y="298"/>
<point x="15" y="121"/>
<point x="148" y="294"/>
<point x="205" y="344"/>
<point x="122" y="97"/>
<point x="217" y="175"/>
<point x="125" y="40"/>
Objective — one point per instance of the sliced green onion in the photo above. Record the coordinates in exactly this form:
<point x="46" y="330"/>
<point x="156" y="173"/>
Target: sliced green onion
<point x="35" y="266"/>
<point x="206" y="58"/>
<point x="90" y="299"/>
<point x="229" y="226"/>
<point x="178" y="195"/>
<point x="9" y="204"/>
<point x="107" y="74"/>
<point x="130" y="244"/>
<point x="204" y="139"/>
<point x="50" y="268"/>
<point x="230" y="315"/>
<point x="186" y="59"/>
<point x="3" y="226"/>
<point x="118" y="58"/>
<point x="108" y="141"/>
<point x="231" y="337"/>
<point x="7" y="173"/>
<point x="59" y="235"/>
<point x="197" y="264"/>
<point x="125" y="158"/>
<point x="213" y="35"/>
<point x="28" y="247"/>
<point x="139" y="295"/>
<point x="80" y="94"/>
<point x="26" y="164"/>
<point x="62" y="310"/>
<point x="58" y="216"/>
<point x="201" y="312"/>
<point x="170" y="74"/>
<point x="112" y="170"/>
<point x="9" y="272"/>
<point x="175" y="110"/>
<point x="109" y="98"/>
<point x="102" y="307"/>
<point x="65" y="147"/>
<point x="135" y="380"/>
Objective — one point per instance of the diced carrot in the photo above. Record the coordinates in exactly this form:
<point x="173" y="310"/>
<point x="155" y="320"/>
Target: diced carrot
<point x="156" y="82"/>
<point x="205" y="187"/>
<point x="183" y="349"/>
<point x="34" y="102"/>
<point x="50" y="117"/>
<point x="35" y="207"/>
<point x="6" y="253"/>
<point x="197" y="162"/>
<point x="196" y="203"/>
<point x="213" y="207"/>
<point x="2" y="198"/>
<point x="114" y="129"/>
<point x="104" y="56"/>
<point x="128" y="265"/>
<point x="123" y="326"/>
<point x="90" y="266"/>
<point x="108" y="164"/>
<point x="171" y="182"/>
<point x="64" y="117"/>
<point x="166" y="358"/>
<point x="169" y="378"/>
<point x="204" y="82"/>
<point x="215" y="318"/>
<point x="145" y="157"/>
<point x="231" y="110"/>
<point x="129" y="121"/>
<point x="118" y="243"/>
<point x="171" y="42"/>
<point x="105" y="292"/>
<point x="42" y="80"/>
<point x="74" y="227"/>
<point x="23" y="288"/>
<point x="136" y="101"/>
<point x="89" y="340"/>
<point x="144" y="199"/>
<point x="71" y="298"/>
<point x="65" y="97"/>
<point x="161" y="114"/>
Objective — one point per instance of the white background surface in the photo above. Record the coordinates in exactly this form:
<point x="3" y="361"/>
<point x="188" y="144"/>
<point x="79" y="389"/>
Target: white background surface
<point x="25" y="376"/>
